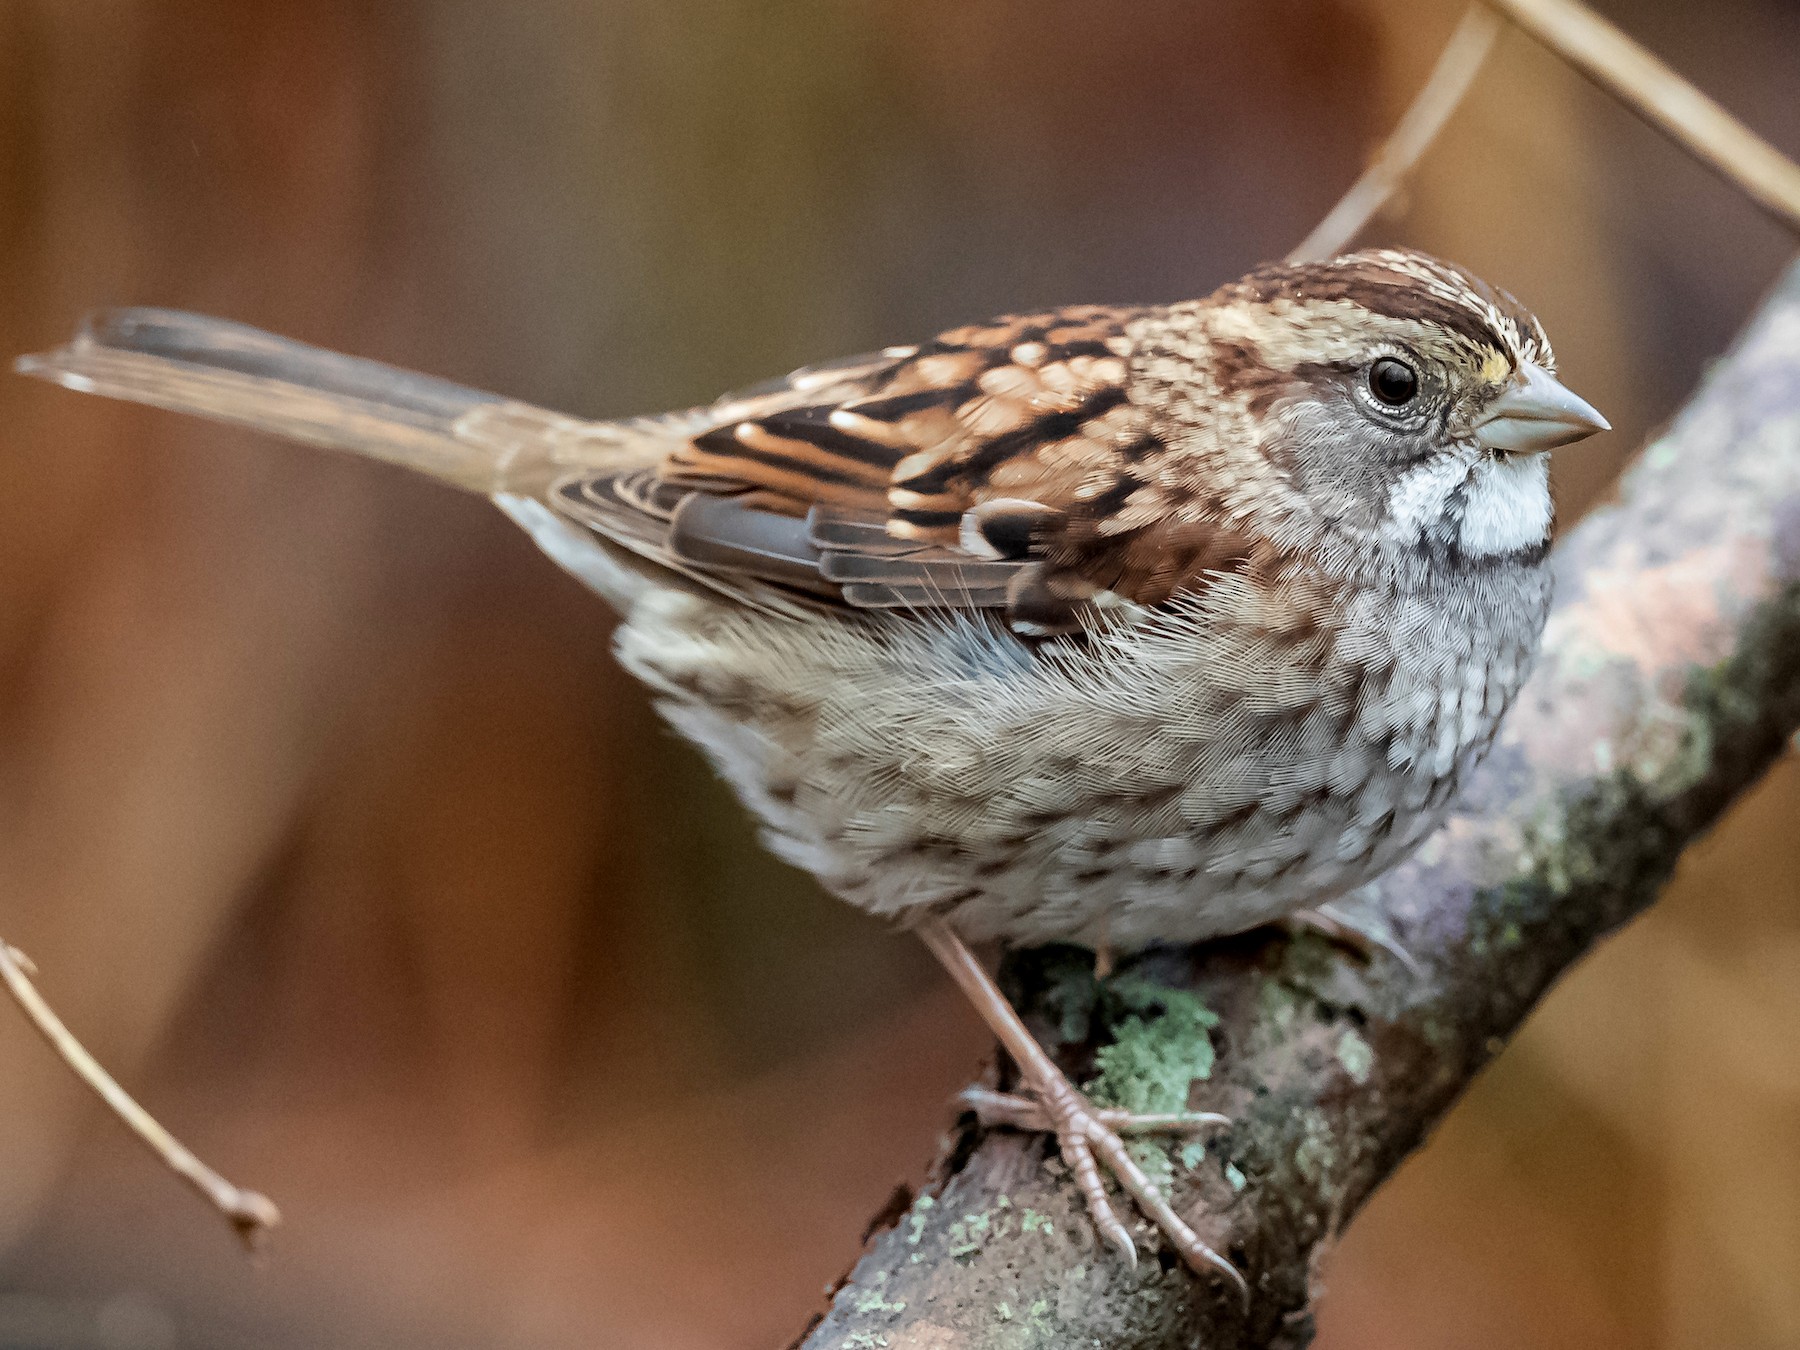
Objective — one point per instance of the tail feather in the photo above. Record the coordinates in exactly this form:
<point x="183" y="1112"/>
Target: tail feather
<point x="234" y="373"/>
<point x="510" y="451"/>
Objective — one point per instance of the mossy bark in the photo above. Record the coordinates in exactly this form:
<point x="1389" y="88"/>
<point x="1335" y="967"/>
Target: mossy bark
<point x="1669" y="681"/>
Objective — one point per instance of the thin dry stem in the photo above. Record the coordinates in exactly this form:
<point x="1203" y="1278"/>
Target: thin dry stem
<point x="1663" y="98"/>
<point x="250" y="1213"/>
<point x="1400" y="154"/>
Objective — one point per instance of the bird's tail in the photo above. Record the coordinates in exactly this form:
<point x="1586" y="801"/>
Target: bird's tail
<point x="233" y="373"/>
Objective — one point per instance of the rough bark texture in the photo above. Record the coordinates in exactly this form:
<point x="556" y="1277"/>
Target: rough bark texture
<point x="1669" y="680"/>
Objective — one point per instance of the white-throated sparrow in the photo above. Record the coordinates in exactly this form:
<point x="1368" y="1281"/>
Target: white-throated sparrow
<point x="1125" y="624"/>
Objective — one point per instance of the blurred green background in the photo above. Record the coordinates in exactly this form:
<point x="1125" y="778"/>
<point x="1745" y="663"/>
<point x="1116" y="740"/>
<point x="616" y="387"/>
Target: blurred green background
<point x="337" y="834"/>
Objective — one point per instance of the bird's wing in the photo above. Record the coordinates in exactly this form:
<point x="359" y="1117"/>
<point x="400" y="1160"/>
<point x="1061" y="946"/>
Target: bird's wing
<point x="991" y="468"/>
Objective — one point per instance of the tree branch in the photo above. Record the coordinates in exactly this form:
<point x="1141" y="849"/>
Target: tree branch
<point x="1669" y="681"/>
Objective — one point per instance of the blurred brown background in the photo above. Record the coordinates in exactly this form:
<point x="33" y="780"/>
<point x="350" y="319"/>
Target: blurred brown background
<point x="338" y="835"/>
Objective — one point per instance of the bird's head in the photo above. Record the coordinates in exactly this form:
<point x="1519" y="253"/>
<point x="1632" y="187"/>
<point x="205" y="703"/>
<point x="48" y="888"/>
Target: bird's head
<point x="1394" y="398"/>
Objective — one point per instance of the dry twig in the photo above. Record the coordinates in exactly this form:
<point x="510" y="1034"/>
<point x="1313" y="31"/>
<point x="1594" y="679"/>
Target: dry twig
<point x="250" y="1213"/>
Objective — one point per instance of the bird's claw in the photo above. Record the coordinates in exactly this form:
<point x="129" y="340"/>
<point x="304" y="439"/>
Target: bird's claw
<point x="1088" y="1138"/>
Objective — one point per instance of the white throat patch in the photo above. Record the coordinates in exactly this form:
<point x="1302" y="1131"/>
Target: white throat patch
<point x="1493" y="506"/>
<point x="1507" y="506"/>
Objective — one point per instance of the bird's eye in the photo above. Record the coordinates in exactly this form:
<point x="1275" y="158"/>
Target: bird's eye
<point x="1393" y="382"/>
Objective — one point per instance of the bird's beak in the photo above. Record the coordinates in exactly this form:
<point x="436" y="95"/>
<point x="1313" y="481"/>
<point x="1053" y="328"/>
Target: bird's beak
<point x="1537" y="413"/>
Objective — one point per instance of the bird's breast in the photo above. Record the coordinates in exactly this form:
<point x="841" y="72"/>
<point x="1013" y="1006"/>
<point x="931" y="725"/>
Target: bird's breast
<point x="1225" y="762"/>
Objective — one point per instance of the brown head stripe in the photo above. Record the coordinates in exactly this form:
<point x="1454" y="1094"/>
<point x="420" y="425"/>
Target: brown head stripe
<point x="1382" y="290"/>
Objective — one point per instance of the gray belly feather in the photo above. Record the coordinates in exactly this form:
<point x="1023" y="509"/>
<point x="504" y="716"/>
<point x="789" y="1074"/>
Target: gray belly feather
<point x="1171" y="780"/>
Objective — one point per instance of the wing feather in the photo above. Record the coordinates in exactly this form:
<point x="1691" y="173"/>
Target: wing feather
<point x="982" y="470"/>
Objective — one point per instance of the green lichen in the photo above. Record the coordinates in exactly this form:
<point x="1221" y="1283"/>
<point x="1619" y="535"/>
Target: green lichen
<point x="873" y="1302"/>
<point x="1277" y="1006"/>
<point x="1740" y="695"/>
<point x="1317" y="1152"/>
<point x="1159" y="1049"/>
<point x="1356" y="1055"/>
<point x="972" y="1232"/>
<point x="865" y="1340"/>
<point x="915" y="1221"/>
<point x="1033" y="1222"/>
<point x="1032" y="1329"/>
<point x="1235" y="1175"/>
<point x="968" y="1234"/>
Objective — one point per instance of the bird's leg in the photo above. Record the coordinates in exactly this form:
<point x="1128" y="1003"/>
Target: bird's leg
<point x="1086" y="1136"/>
<point x="1103" y="951"/>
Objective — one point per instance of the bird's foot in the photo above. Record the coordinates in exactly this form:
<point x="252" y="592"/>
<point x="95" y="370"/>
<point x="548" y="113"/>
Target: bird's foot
<point x="1088" y="1136"/>
<point x="1089" y="1139"/>
<point x="1014" y="1112"/>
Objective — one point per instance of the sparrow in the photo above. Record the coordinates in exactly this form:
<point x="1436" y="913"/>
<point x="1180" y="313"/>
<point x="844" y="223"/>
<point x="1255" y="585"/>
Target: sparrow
<point x="1105" y="625"/>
